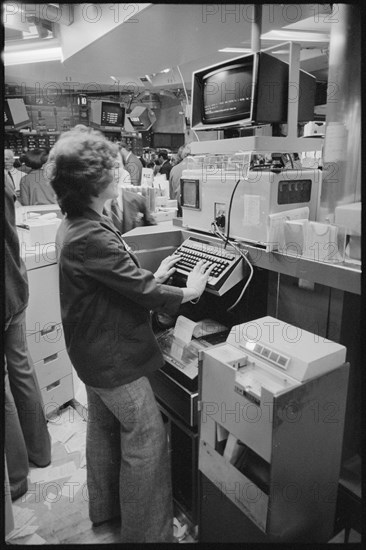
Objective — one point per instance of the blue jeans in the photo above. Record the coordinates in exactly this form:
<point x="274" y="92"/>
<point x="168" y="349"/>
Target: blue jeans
<point x="26" y="433"/>
<point x="128" y="467"/>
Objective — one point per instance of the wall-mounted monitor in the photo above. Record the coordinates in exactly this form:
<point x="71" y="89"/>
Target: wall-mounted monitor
<point x="141" y="119"/>
<point x="15" y="114"/>
<point x="107" y="116"/>
<point x="248" y="90"/>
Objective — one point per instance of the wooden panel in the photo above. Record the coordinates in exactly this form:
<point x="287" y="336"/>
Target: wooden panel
<point x="237" y="487"/>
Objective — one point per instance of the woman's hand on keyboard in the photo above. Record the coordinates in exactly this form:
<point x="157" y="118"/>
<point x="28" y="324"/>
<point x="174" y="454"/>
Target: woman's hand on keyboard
<point x="199" y="275"/>
<point x="166" y="268"/>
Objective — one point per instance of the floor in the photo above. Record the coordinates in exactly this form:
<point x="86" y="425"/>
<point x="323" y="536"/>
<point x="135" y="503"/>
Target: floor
<point x="55" y="508"/>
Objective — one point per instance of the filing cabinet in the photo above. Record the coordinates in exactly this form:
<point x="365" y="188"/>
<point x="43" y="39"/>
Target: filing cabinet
<point x="45" y="339"/>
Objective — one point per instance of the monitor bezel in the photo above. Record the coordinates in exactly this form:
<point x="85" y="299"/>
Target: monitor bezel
<point x="196" y="182"/>
<point x="112" y="128"/>
<point x="229" y="117"/>
<point x="197" y="93"/>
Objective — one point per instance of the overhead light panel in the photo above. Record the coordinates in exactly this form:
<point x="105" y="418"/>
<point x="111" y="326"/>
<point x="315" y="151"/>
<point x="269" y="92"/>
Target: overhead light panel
<point x="32" y="56"/>
<point x="295" y="36"/>
<point x="235" y="50"/>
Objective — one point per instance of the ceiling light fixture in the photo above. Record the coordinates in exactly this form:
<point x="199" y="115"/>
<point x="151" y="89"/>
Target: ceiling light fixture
<point x="32" y="56"/>
<point x="236" y="50"/>
<point x="295" y="36"/>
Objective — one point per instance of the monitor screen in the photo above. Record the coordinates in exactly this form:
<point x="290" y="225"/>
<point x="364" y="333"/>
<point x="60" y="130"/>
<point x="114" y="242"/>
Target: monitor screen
<point x="190" y="193"/>
<point x="227" y="93"/>
<point x="15" y="113"/>
<point x="112" y="115"/>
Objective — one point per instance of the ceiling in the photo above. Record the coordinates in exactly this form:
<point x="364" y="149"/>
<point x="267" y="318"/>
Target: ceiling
<point x="98" y="43"/>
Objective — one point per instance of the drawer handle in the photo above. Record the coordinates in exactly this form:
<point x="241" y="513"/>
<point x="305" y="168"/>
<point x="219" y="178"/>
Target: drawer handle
<point x="50" y="358"/>
<point x="54" y="385"/>
<point x="48" y="330"/>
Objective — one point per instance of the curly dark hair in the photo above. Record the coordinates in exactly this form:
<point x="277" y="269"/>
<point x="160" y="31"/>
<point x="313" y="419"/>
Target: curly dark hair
<point x="78" y="169"/>
<point x="36" y="158"/>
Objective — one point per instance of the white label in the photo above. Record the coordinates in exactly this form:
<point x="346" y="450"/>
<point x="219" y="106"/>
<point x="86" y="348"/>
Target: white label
<point x="251" y="215"/>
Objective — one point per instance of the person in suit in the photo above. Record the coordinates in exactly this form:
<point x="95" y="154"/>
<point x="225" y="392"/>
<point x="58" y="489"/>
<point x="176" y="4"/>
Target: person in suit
<point x="130" y="209"/>
<point x="34" y="187"/>
<point x="106" y="299"/>
<point x="26" y="434"/>
<point x="176" y="173"/>
<point x="165" y="165"/>
<point x="14" y="174"/>
<point x="133" y="165"/>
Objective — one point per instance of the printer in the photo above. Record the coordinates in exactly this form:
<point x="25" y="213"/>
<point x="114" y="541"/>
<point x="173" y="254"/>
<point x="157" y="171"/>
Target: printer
<point x="273" y="399"/>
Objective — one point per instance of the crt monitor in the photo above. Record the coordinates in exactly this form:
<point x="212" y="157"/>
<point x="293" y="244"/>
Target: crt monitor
<point x="141" y="118"/>
<point x="252" y="89"/>
<point x="15" y="114"/>
<point x="107" y="116"/>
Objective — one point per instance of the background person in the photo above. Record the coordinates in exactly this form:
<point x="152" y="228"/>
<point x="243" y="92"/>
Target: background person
<point x="132" y="164"/>
<point x="26" y="434"/>
<point x="34" y="187"/>
<point x="165" y="165"/>
<point x="175" y="176"/>
<point x="130" y="209"/>
<point x="14" y="174"/>
<point x="106" y="299"/>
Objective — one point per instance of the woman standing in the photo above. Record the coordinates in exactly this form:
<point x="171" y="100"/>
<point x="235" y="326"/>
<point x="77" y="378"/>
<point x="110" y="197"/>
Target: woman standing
<point x="106" y="298"/>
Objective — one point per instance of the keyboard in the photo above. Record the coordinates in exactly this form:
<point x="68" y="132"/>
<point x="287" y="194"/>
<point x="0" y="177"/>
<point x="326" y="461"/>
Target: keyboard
<point x="192" y="250"/>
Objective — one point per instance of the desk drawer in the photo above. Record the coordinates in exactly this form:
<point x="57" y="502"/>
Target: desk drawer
<point x="44" y="304"/>
<point x="57" y="394"/>
<point x="53" y="368"/>
<point x="46" y="342"/>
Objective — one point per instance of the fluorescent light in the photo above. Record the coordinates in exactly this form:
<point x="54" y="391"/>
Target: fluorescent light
<point x="32" y="56"/>
<point x="295" y="36"/>
<point x="236" y="50"/>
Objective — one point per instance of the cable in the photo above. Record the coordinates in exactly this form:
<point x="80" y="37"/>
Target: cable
<point x="184" y="86"/>
<point x="230" y="206"/>
<point x="229" y="213"/>
<point x="218" y="233"/>
<point x="289" y="156"/>
<point x="187" y="98"/>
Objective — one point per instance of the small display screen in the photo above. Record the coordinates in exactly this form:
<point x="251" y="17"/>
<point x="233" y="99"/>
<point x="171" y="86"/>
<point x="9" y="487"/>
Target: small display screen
<point x="189" y="191"/>
<point x="112" y="115"/>
<point x="294" y="191"/>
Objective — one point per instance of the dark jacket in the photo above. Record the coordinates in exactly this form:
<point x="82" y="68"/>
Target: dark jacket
<point x="106" y="300"/>
<point x="16" y="282"/>
<point x="35" y="189"/>
<point x="135" y="212"/>
<point x="165" y="168"/>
